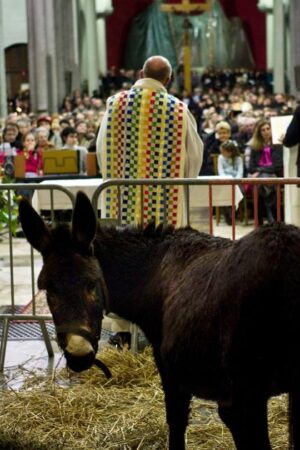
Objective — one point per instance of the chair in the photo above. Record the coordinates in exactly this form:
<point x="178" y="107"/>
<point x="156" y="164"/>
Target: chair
<point x="91" y="165"/>
<point x="61" y="162"/>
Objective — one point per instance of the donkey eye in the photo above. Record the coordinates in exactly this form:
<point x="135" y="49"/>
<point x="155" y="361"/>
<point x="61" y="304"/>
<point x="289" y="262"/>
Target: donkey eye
<point x="91" y="286"/>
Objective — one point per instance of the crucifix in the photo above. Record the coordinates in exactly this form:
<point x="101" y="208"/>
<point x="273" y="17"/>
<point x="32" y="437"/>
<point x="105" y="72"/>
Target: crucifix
<point x="185" y="8"/>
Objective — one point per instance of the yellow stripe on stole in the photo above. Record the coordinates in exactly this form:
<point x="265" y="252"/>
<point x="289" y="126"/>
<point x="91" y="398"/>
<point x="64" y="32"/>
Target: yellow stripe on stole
<point x="161" y="154"/>
<point x="142" y="143"/>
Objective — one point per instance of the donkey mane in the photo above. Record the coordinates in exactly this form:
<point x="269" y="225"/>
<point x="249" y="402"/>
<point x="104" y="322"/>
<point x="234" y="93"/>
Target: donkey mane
<point x="152" y="234"/>
<point x="148" y="231"/>
<point x="62" y="239"/>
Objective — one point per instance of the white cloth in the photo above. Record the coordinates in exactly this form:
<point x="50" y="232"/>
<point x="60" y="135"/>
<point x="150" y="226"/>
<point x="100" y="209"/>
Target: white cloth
<point x="199" y="195"/>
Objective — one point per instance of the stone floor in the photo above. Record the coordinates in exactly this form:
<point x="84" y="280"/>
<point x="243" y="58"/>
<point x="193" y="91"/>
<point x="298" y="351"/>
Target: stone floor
<point x="31" y="353"/>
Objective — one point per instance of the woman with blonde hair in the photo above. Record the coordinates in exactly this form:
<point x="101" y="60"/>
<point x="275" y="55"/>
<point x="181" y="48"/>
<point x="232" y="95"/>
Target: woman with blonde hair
<point x="266" y="160"/>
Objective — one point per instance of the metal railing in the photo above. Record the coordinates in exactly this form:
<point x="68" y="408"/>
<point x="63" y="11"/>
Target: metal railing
<point x="12" y="315"/>
<point x="279" y="183"/>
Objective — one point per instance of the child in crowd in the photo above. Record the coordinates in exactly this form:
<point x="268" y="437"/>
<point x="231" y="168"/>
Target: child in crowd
<point x="33" y="157"/>
<point x="33" y="163"/>
<point x="69" y="138"/>
<point x="230" y="163"/>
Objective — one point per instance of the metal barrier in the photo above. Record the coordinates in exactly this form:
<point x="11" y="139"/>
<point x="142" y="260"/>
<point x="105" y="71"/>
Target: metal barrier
<point x="53" y="189"/>
<point x="207" y="181"/>
<point x="13" y="315"/>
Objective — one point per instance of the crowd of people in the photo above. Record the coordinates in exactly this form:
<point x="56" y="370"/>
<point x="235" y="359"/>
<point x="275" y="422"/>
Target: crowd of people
<point x="232" y="110"/>
<point x="31" y="134"/>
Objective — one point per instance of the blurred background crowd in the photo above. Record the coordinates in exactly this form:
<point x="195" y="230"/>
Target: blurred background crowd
<point x="226" y="104"/>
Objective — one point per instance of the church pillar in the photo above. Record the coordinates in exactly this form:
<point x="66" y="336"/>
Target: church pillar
<point x="3" y="88"/>
<point x="53" y="69"/>
<point x="37" y="54"/>
<point x="103" y="9"/>
<point x="270" y="44"/>
<point x="67" y="60"/>
<point x="51" y="57"/>
<point x="101" y="33"/>
<point x="266" y="6"/>
<point x="279" y="46"/>
<point x="92" y="47"/>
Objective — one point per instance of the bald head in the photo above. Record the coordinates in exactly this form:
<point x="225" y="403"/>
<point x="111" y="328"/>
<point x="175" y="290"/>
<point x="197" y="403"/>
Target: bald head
<point x="158" y="68"/>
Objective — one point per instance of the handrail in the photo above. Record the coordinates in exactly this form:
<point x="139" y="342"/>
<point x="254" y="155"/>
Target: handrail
<point x="190" y="182"/>
<point x="200" y="181"/>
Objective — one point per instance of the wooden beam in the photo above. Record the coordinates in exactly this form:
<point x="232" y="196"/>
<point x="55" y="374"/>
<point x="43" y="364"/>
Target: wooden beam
<point x="186" y="7"/>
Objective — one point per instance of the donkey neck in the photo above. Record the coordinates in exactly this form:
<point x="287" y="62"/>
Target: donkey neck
<point x="142" y="270"/>
<point x="128" y="263"/>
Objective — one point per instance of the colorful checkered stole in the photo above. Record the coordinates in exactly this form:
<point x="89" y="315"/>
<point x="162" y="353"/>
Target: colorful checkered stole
<point x="145" y="139"/>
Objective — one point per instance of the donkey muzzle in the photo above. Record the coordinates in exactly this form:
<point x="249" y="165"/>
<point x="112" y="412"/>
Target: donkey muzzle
<point x="79" y="363"/>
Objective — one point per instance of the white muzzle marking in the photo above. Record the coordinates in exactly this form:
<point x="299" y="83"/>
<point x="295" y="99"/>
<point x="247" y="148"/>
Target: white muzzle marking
<point x="78" y="345"/>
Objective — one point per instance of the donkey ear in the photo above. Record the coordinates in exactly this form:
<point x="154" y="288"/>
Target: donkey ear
<point x="84" y="222"/>
<point x="35" y="229"/>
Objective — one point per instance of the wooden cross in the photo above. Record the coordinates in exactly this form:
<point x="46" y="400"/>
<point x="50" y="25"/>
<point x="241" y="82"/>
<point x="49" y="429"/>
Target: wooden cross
<point x="185" y="7"/>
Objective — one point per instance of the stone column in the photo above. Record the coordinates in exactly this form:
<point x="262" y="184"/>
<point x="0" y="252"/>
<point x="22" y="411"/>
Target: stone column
<point x="103" y="9"/>
<point x="76" y="74"/>
<point x="92" y="46"/>
<point x="51" y="57"/>
<point x="102" y="56"/>
<point x="52" y="54"/>
<point x="270" y="44"/>
<point x="279" y="46"/>
<point x="37" y="54"/>
<point x="3" y="89"/>
<point x="66" y="36"/>
<point x="294" y="14"/>
<point x="266" y="6"/>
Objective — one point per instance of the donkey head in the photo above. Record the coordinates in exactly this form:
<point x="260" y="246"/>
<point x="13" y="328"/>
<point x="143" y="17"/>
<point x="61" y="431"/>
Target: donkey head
<point x="72" y="279"/>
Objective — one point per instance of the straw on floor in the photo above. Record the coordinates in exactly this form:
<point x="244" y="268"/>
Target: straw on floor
<point x="70" y="411"/>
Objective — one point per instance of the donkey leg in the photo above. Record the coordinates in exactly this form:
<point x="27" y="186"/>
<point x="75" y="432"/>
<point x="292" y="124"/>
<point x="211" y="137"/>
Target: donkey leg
<point x="294" y="419"/>
<point x="177" y="409"/>
<point x="248" y="424"/>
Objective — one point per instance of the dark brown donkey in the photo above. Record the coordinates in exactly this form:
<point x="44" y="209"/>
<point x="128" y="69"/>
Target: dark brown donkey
<point x="222" y="317"/>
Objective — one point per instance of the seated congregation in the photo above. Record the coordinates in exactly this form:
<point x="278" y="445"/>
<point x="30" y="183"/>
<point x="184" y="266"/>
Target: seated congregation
<point x="259" y="158"/>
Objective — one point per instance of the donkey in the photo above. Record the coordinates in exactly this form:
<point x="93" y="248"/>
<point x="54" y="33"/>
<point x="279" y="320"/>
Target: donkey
<point x="222" y="316"/>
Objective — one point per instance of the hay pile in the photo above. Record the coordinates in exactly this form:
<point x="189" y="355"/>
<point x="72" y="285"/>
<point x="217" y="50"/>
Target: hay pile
<point x="73" y="412"/>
